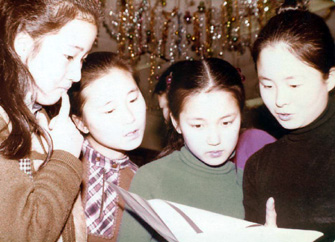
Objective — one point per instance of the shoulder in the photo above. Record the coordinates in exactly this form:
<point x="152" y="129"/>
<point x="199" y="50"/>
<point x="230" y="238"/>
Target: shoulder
<point x="264" y="156"/>
<point x="159" y="165"/>
<point x="152" y="173"/>
<point x="257" y="136"/>
<point x="250" y="141"/>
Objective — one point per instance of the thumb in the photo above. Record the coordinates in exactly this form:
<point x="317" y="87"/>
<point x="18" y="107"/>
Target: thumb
<point x="271" y="214"/>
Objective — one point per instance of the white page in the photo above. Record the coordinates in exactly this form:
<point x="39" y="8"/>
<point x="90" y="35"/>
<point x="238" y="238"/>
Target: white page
<point x="180" y="223"/>
<point x="217" y="227"/>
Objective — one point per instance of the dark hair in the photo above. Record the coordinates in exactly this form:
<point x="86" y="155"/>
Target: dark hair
<point x="162" y="84"/>
<point x="192" y="77"/>
<point x="37" y="18"/>
<point x="96" y="65"/>
<point x="306" y="35"/>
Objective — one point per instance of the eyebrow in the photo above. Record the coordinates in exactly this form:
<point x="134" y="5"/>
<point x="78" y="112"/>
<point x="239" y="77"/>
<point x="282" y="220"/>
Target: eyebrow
<point x="133" y="90"/>
<point x="77" y="47"/>
<point x="264" y="78"/>
<point x="107" y="103"/>
<point x="268" y="79"/>
<point x="223" y="117"/>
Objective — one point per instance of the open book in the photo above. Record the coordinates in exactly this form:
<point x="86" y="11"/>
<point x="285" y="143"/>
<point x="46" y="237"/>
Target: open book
<point x="180" y="223"/>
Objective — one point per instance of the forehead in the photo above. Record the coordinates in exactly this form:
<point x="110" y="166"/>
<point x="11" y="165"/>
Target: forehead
<point x="115" y="84"/>
<point x="209" y="104"/>
<point x="77" y="33"/>
<point x="278" y="59"/>
<point x="274" y="54"/>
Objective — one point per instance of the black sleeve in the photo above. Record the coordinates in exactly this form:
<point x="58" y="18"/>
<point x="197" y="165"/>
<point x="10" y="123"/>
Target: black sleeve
<point x="250" y="193"/>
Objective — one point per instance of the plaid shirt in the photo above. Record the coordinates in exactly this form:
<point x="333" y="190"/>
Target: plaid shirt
<point x="25" y="164"/>
<point x="101" y="200"/>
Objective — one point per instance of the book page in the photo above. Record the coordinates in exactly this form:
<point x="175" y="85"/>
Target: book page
<point x="180" y="223"/>
<point x="217" y="227"/>
<point x="143" y="209"/>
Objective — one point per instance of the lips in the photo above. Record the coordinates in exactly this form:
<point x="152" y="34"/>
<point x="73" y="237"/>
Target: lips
<point x="215" y="153"/>
<point x="133" y="134"/>
<point x="284" y="116"/>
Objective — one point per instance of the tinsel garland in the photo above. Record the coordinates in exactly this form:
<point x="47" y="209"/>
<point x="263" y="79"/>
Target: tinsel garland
<point x="147" y="27"/>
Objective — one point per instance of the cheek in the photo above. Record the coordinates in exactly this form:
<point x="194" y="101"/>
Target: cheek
<point x="193" y="138"/>
<point x="98" y="123"/>
<point x="41" y="69"/>
<point x="140" y="111"/>
<point x="105" y="132"/>
<point x="231" y="135"/>
<point x="267" y="98"/>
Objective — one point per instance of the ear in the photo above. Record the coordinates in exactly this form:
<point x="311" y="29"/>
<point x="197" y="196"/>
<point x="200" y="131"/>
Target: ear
<point x="23" y="44"/>
<point x="175" y="124"/>
<point x="331" y="79"/>
<point x="80" y="124"/>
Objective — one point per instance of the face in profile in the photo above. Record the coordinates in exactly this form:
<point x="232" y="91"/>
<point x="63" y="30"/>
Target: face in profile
<point x="163" y="104"/>
<point x="114" y="113"/>
<point x="58" y="59"/>
<point x="210" y="124"/>
<point x="294" y="92"/>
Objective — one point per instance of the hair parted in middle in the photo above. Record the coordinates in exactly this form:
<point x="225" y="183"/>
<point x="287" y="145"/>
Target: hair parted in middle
<point x="201" y="76"/>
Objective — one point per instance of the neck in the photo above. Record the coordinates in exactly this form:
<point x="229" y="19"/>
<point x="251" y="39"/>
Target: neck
<point x="105" y="151"/>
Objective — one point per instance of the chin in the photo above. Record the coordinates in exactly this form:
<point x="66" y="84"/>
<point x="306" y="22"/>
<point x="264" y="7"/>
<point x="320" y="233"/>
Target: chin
<point x="214" y="162"/>
<point x="289" y="126"/>
<point x="48" y="101"/>
<point x="133" y="145"/>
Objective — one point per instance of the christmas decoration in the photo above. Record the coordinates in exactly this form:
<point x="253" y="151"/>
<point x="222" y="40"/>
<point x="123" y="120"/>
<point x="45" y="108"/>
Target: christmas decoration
<point x="162" y="31"/>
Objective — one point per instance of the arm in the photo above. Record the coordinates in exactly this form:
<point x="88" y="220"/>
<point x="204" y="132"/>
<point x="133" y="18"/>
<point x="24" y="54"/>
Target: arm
<point x="37" y="209"/>
<point x="250" y="200"/>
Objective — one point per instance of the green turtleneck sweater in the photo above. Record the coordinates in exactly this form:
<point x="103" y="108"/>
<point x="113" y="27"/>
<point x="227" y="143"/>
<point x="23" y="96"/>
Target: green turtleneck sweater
<point x="180" y="177"/>
<point x="298" y="170"/>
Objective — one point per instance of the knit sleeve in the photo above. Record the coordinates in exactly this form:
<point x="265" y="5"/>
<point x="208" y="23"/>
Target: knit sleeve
<point x="133" y="228"/>
<point x="250" y="200"/>
<point x="37" y="209"/>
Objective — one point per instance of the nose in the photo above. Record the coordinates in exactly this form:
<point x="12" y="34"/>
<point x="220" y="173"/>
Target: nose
<point x="75" y="71"/>
<point x="282" y="97"/>
<point x="128" y="115"/>
<point x="213" y="136"/>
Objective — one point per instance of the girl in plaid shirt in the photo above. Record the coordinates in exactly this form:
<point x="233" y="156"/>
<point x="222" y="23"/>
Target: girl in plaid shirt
<point x="109" y="109"/>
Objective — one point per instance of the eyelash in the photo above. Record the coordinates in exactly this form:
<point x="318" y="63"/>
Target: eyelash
<point x="266" y="86"/>
<point x="226" y="123"/>
<point x="133" y="100"/>
<point x="110" y="111"/>
<point x="69" y="57"/>
<point x="83" y="59"/>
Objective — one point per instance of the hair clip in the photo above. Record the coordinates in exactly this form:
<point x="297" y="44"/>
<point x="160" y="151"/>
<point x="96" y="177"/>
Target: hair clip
<point x="168" y="81"/>
<point x="240" y="73"/>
